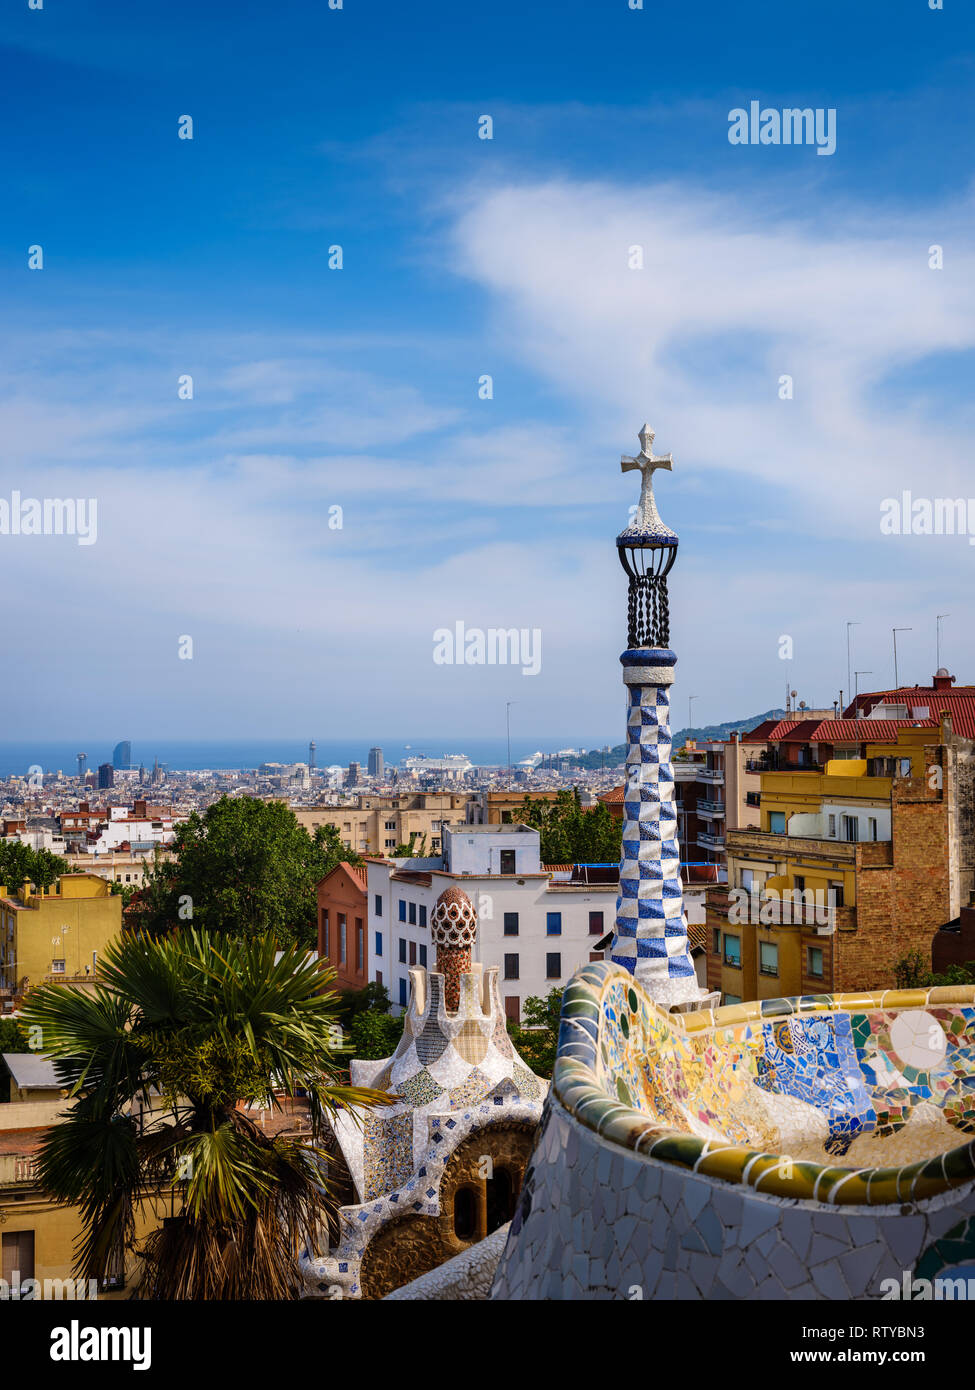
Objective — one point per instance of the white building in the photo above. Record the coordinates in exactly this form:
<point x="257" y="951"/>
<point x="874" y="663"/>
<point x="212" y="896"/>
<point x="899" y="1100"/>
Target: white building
<point x="536" y="926"/>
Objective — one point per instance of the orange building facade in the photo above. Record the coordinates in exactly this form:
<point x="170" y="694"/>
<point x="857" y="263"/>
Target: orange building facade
<point x="342" y="926"/>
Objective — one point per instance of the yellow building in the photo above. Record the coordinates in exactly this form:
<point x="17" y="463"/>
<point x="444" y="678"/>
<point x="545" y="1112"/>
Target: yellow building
<point x="862" y="853"/>
<point x="38" y="1236"/>
<point x="58" y="933"/>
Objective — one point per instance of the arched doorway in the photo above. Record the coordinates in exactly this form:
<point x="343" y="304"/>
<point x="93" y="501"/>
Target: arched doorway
<point x="478" y="1193"/>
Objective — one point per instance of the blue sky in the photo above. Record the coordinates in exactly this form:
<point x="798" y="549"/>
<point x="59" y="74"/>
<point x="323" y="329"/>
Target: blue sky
<point x="357" y="387"/>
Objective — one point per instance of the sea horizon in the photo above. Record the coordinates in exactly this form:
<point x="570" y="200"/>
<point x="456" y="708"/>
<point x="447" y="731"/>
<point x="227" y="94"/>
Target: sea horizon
<point x="195" y="755"/>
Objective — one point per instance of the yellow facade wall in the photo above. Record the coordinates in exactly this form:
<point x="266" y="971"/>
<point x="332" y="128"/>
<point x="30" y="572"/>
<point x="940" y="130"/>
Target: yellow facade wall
<point x="73" y="925"/>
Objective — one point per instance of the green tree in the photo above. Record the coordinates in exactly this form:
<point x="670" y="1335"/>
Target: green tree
<point x="911" y="972"/>
<point x="12" y="1039"/>
<point x="244" y="867"/>
<point x="12" y="1036"/>
<point x="204" y="1022"/>
<point x="372" y="996"/>
<point x="373" y="1035"/>
<point x="19" y="862"/>
<point x="570" y="835"/>
<point x="125" y="891"/>
<point x="410" y="849"/>
<point x="537" y="1036"/>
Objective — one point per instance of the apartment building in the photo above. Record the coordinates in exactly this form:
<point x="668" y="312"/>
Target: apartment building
<point x="378" y="824"/>
<point x="55" y="934"/>
<point x="870" y="820"/>
<point x="534" y="924"/>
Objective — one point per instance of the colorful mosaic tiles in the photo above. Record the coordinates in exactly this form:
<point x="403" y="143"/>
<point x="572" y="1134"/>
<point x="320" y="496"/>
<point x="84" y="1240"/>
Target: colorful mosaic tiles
<point x="454" y="1073"/>
<point x="805" y="1148"/>
<point x="772" y="1094"/>
<point x="389" y="1153"/>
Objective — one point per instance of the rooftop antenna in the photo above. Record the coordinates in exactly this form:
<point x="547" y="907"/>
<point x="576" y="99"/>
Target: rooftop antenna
<point x="940" y="619"/>
<point x="895" y="631"/>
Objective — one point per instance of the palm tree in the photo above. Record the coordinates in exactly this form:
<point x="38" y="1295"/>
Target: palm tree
<point x="189" y="1026"/>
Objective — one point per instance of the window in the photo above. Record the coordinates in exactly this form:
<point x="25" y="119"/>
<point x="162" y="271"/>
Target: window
<point x="402" y="949"/>
<point x="512" y="1007"/>
<point x="814" y="961"/>
<point x="732" y="999"/>
<point x="341" y="938"/>
<point x="836" y="888"/>
<point x="390" y="844"/>
<point x="904" y="769"/>
<point x="732" y="950"/>
<point x="872" y="825"/>
<point x="595" y="924"/>
<point x="768" y="958"/>
<point x="389" y="825"/>
<point x="553" y="965"/>
<point x="18" y="1256"/>
<point x="379" y="905"/>
<point x="423" y="954"/>
<point x="799" y="882"/>
<point x="507" y="861"/>
<point x="379" y="977"/>
<point x="359" y="944"/>
<point x="413" y="953"/>
<point x="57" y="967"/>
<point x="850" y="827"/>
<point x="553" y="924"/>
<point x="511" y="924"/>
<point x="402" y="993"/>
<point x="412" y="914"/>
<point x="776" y="822"/>
<point x="423" y="915"/>
<point x="402" y="909"/>
<point x="832" y="827"/>
<point x="511" y="967"/>
<point x="326" y="948"/>
<point x="465" y="1213"/>
<point x="716" y="940"/>
<point x="379" y="943"/>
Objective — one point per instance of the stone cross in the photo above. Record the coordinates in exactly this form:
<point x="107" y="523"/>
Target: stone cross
<point x="647" y="517"/>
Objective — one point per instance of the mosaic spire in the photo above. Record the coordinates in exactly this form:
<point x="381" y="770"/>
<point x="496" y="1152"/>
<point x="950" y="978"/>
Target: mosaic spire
<point x="650" y="939"/>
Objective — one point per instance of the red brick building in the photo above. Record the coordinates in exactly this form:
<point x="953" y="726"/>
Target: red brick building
<point x="342" y="925"/>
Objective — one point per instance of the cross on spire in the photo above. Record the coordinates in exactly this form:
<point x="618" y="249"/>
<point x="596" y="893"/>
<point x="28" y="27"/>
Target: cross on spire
<point x="647" y="517"/>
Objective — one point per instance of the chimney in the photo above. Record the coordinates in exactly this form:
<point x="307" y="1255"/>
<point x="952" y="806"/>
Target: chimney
<point x="453" y="926"/>
<point x="942" y="680"/>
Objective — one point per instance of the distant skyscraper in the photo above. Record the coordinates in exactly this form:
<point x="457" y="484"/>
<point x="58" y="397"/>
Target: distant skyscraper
<point x="311" y="756"/>
<point x="122" y="757"/>
<point x="106" y="776"/>
<point x="377" y="767"/>
<point x="82" y="765"/>
<point x="352" y="776"/>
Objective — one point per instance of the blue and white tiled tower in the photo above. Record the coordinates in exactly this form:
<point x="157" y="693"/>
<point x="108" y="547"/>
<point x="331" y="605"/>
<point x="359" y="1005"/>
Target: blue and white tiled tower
<point x="650" y="939"/>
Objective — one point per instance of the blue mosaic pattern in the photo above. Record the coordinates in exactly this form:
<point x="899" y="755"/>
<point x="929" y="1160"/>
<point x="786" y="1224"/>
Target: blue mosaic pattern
<point x="815" y="1060"/>
<point x="651" y="928"/>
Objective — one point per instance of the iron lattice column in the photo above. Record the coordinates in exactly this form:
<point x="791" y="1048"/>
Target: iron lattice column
<point x="651" y="927"/>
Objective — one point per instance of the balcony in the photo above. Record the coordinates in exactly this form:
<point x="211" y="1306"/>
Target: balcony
<point x="710" y="841"/>
<point x="711" y="808"/>
<point x="710" y="774"/>
<point x="17" y="1169"/>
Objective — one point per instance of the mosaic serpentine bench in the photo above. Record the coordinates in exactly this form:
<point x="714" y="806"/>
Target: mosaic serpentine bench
<point x="809" y="1147"/>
